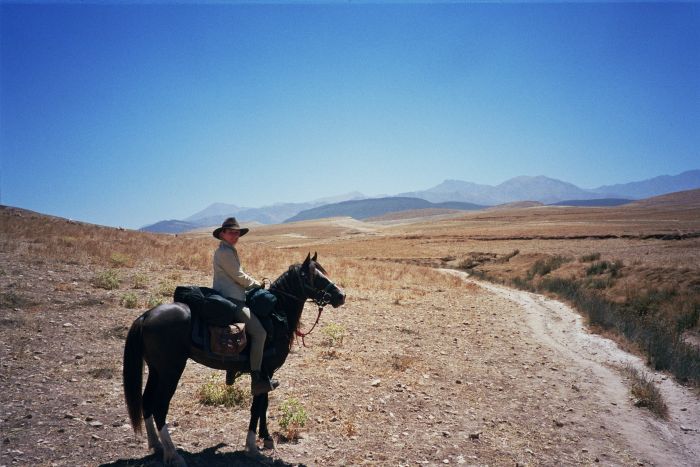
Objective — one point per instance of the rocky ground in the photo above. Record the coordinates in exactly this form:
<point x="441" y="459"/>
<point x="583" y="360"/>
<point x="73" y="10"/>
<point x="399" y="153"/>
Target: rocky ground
<point x="428" y="373"/>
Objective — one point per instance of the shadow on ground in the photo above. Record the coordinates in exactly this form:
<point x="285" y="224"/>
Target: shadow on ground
<point x="209" y="457"/>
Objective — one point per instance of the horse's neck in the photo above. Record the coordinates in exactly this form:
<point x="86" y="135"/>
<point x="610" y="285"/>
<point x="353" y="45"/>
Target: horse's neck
<point x="292" y="300"/>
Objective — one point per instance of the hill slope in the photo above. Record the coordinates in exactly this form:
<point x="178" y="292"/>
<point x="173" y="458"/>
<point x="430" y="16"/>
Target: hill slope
<point x="363" y="209"/>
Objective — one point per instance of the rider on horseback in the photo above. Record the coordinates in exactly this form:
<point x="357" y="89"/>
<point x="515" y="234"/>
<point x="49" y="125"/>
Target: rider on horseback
<point x="231" y="282"/>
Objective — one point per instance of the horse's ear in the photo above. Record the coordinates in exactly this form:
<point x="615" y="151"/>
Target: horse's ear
<point x="315" y="256"/>
<point x="307" y="261"/>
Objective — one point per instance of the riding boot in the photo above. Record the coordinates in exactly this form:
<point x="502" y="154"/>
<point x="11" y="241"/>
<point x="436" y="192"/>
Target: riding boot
<point x="261" y="383"/>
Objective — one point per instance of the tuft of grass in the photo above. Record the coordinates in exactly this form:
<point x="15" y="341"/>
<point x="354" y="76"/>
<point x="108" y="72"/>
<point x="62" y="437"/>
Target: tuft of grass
<point x="334" y="334"/>
<point x="401" y="362"/>
<point x="645" y="392"/>
<point x="165" y="289"/>
<point x="153" y="301"/>
<point x="129" y="300"/>
<point x="120" y="260"/>
<point x="293" y="418"/>
<point x="215" y="392"/>
<point x="544" y="267"/>
<point x="589" y="257"/>
<point x="108" y="280"/>
<point x="139" y="281"/>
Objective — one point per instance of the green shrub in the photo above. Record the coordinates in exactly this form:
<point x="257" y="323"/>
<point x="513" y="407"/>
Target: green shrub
<point x="108" y="280"/>
<point x="216" y="392"/>
<point x="129" y="300"/>
<point x="333" y="335"/>
<point x="293" y="419"/>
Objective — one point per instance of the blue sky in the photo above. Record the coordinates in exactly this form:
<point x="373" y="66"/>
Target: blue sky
<point x="124" y="115"/>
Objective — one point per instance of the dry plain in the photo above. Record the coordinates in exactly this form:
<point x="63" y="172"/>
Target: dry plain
<point x="433" y="368"/>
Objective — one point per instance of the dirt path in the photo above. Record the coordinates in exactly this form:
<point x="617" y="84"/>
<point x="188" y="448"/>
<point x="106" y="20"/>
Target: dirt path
<point x="675" y="441"/>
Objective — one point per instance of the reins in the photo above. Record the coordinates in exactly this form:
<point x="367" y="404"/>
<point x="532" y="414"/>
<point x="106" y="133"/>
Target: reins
<point x="321" y="299"/>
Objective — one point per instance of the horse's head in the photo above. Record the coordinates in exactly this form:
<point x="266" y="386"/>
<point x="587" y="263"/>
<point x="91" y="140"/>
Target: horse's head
<point x="317" y="286"/>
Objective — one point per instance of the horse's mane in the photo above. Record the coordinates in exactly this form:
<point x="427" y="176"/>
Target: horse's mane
<point x="281" y="283"/>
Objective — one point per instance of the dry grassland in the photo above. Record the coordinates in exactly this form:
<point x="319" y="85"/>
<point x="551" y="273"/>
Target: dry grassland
<point x="429" y="370"/>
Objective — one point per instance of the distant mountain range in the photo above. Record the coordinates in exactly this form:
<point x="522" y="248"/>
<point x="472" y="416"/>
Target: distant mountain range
<point x="362" y="209"/>
<point x="466" y="195"/>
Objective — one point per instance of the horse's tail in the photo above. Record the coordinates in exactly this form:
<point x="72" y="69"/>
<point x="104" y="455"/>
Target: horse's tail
<point x="133" y="374"/>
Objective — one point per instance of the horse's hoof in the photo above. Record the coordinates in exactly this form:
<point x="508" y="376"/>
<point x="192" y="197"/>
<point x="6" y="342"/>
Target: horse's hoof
<point x="268" y="443"/>
<point x="157" y="448"/>
<point x="177" y="461"/>
<point x="251" y="447"/>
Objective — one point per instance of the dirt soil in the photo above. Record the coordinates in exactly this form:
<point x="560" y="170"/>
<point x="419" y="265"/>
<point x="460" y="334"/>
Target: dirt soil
<point x="439" y="374"/>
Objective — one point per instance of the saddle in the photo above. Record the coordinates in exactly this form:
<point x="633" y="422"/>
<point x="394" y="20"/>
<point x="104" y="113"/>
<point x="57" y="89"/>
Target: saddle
<point x="228" y="340"/>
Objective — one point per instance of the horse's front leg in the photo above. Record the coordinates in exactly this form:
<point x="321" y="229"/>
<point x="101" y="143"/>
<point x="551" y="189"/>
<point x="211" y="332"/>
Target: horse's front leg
<point x="268" y="442"/>
<point x="251" y="447"/>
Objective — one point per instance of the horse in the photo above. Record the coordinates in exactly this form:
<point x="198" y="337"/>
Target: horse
<point x="162" y="338"/>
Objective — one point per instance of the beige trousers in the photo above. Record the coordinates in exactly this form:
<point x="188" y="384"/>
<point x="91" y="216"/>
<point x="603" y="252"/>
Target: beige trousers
<point x="257" y="335"/>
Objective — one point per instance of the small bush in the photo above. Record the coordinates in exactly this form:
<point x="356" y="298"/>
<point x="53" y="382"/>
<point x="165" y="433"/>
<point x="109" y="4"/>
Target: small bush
<point x="589" y="257"/>
<point x="293" y="419"/>
<point x="215" y="392"/>
<point x="153" y="301"/>
<point x="129" y="300"/>
<point x="140" y="281"/>
<point x="333" y="335"/>
<point x="544" y="267"/>
<point x="108" y="280"/>
<point x="596" y="268"/>
<point x="166" y="289"/>
<point x="645" y="392"/>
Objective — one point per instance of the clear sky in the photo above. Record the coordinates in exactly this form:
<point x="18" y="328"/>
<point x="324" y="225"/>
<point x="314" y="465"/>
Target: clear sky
<point x="124" y="115"/>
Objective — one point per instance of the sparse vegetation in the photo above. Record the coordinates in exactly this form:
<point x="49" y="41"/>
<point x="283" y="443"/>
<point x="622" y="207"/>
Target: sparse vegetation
<point x="129" y="300"/>
<point x="590" y="257"/>
<point x="542" y="267"/>
<point x="293" y="418"/>
<point x="645" y="392"/>
<point x="108" y="280"/>
<point x="652" y="319"/>
<point x="119" y="260"/>
<point x="216" y="392"/>
<point x="334" y="334"/>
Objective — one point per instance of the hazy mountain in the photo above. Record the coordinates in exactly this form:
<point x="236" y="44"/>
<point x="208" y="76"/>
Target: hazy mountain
<point x="171" y="226"/>
<point x="525" y="188"/>
<point x="362" y="209"/>
<point x="542" y="189"/>
<point x="689" y="180"/>
<point x="221" y="210"/>
<point x="548" y="190"/>
<point x="215" y="213"/>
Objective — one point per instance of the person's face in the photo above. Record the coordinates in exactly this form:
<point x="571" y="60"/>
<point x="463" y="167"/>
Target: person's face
<point x="231" y="236"/>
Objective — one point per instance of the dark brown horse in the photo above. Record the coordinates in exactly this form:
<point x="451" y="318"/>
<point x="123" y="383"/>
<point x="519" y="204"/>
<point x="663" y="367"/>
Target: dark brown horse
<point x="162" y="337"/>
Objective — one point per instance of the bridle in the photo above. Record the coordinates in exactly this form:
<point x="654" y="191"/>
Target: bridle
<point x="321" y="297"/>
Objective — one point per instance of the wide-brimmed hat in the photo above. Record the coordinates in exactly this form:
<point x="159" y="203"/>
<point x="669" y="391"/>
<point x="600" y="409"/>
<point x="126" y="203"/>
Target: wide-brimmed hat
<point x="230" y="223"/>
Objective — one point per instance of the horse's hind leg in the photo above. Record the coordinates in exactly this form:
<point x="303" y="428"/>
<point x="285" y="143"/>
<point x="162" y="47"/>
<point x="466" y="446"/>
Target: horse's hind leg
<point x="159" y="391"/>
<point x="148" y="394"/>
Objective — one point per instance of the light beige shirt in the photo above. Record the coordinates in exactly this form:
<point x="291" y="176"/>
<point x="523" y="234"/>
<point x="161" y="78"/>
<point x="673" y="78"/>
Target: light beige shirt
<point x="229" y="278"/>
